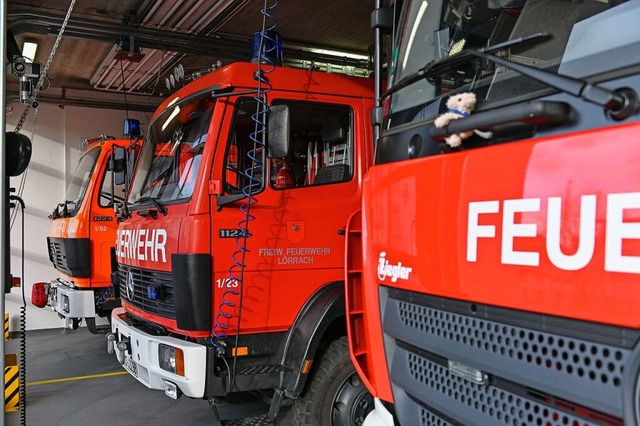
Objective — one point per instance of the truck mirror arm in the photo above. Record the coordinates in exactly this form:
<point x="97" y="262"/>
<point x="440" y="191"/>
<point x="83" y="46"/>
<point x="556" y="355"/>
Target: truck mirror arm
<point x="222" y="200"/>
<point x="122" y="211"/>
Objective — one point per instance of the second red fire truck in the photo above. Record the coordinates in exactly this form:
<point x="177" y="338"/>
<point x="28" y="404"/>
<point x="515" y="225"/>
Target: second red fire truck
<point x="496" y="283"/>
<point x="82" y="238"/>
<point x="230" y="249"/>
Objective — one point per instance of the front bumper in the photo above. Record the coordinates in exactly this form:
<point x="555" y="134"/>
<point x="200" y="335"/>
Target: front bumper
<point x="140" y="358"/>
<point x="70" y="302"/>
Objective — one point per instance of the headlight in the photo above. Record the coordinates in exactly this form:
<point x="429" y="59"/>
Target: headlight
<point x="171" y="359"/>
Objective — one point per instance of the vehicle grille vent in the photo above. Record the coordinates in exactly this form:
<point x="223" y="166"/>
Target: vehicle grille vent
<point x="137" y="294"/>
<point x="585" y="360"/>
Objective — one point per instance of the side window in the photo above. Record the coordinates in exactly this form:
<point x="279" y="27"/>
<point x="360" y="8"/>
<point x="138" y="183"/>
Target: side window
<point x="320" y="149"/>
<point x="244" y="160"/>
<point x="104" y="196"/>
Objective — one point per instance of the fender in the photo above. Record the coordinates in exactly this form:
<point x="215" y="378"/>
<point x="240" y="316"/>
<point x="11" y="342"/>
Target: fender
<point x="322" y="309"/>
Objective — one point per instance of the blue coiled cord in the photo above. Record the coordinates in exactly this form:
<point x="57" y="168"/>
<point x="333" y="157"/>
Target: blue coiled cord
<point x="108" y="294"/>
<point x="235" y="280"/>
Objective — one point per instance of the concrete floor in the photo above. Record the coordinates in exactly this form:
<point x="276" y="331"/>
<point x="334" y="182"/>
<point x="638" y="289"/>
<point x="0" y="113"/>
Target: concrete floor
<point x="72" y="381"/>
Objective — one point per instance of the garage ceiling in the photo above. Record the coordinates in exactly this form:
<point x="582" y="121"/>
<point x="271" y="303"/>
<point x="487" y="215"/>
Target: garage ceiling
<point x="94" y="66"/>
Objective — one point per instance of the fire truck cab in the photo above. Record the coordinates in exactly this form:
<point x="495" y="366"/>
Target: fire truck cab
<point x="83" y="227"/>
<point x="496" y="283"/>
<point x="230" y="250"/>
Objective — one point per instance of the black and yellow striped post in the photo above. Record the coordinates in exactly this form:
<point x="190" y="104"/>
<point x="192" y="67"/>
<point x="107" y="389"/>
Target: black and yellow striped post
<point x="6" y="327"/>
<point x="11" y="383"/>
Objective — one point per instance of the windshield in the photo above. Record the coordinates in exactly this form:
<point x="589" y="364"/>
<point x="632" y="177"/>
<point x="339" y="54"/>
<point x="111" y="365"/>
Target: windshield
<point x="172" y="151"/>
<point x="80" y="181"/>
<point x="436" y="29"/>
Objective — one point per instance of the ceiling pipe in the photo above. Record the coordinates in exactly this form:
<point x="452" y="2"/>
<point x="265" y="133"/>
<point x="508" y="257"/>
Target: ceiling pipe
<point x="187" y="15"/>
<point x="236" y="47"/>
<point x="231" y="10"/>
<point x="156" y="5"/>
<point x="205" y="17"/>
<point x="91" y="103"/>
<point x="169" y="14"/>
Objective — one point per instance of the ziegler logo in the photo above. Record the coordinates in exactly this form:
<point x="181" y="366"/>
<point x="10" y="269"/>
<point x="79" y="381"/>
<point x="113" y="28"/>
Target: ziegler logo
<point x="130" y="286"/>
<point x="386" y="269"/>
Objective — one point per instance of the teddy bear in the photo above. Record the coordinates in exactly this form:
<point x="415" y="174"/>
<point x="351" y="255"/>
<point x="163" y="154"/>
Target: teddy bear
<point x="459" y="105"/>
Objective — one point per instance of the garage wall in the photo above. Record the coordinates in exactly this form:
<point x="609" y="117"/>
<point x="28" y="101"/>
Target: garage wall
<point x="56" y="150"/>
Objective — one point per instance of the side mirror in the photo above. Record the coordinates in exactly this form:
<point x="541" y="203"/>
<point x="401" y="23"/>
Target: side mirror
<point x="278" y="133"/>
<point x="118" y="165"/>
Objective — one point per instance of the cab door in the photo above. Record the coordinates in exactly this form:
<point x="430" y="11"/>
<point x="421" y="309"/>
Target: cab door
<point x="102" y="222"/>
<point x="294" y="206"/>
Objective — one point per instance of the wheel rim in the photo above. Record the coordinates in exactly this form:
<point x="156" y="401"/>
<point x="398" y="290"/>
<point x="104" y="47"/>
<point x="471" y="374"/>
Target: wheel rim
<point x="352" y="403"/>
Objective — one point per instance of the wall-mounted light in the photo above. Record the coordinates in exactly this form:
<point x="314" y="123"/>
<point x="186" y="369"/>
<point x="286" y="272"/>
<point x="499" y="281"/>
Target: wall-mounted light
<point x="29" y="50"/>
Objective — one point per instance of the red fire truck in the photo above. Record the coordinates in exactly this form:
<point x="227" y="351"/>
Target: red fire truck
<point x="83" y="228"/>
<point x="495" y="283"/>
<point x="230" y="250"/>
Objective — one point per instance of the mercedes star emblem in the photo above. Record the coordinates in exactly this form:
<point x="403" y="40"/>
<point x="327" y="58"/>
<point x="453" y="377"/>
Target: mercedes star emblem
<point x="130" y="288"/>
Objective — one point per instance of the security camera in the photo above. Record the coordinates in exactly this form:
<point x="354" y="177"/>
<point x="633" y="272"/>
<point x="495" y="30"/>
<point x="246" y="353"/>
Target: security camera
<point x="18" y="66"/>
<point x="29" y="74"/>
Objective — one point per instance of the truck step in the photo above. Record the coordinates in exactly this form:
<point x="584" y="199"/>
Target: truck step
<point x="259" y="370"/>
<point x="248" y="410"/>
<point x="249" y="421"/>
<point x="103" y="329"/>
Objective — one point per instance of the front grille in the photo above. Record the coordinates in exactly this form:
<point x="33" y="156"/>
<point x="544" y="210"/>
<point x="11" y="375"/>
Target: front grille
<point x="428" y="418"/>
<point x="485" y="405"/>
<point x="56" y="254"/>
<point x="567" y="356"/>
<point x="164" y="306"/>
<point x="70" y="256"/>
<point x="530" y="360"/>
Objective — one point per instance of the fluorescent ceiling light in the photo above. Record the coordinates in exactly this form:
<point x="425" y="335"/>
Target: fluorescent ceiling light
<point x="338" y="53"/>
<point x="29" y="50"/>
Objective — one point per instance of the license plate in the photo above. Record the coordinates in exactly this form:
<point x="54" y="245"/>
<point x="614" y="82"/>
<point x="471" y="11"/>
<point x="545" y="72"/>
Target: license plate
<point x="131" y="365"/>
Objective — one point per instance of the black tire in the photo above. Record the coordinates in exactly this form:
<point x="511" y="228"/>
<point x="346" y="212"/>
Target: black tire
<point x="335" y="396"/>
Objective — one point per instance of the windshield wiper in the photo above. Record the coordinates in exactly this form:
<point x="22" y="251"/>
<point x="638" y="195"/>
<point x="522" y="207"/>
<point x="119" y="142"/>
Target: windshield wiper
<point x="440" y="66"/>
<point x="153" y="213"/>
<point x="619" y="103"/>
